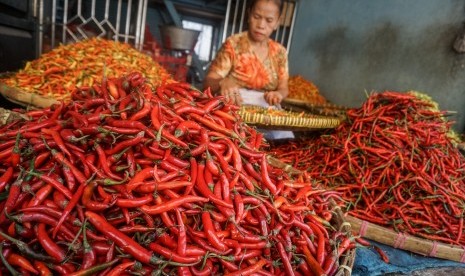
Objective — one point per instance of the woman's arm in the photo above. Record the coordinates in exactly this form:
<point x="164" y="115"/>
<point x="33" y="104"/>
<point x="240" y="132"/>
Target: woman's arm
<point x="212" y="80"/>
<point x="276" y="97"/>
<point x="281" y="92"/>
<point x="223" y="86"/>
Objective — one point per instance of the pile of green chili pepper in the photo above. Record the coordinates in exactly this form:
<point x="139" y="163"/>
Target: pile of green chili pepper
<point x="54" y="74"/>
<point x="129" y="178"/>
<point x="394" y="165"/>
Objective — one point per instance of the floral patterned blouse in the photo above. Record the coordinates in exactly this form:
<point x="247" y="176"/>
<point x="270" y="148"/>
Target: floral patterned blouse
<point x="237" y="60"/>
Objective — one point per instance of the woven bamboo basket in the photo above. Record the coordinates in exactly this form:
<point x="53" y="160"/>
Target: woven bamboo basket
<point x="281" y="119"/>
<point x="25" y="99"/>
<point x="406" y="242"/>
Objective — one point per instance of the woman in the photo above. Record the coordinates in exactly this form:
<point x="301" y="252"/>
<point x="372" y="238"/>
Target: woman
<point x="252" y="60"/>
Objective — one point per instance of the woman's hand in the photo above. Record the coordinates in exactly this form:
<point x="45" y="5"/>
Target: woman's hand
<point x="230" y="90"/>
<point x="273" y="97"/>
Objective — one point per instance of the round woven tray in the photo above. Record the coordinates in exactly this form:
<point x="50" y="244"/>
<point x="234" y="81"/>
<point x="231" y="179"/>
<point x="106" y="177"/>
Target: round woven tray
<point x="281" y="119"/>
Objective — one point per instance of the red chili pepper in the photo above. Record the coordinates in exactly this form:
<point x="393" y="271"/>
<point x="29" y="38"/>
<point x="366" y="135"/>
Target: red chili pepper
<point x="154" y="115"/>
<point x="120" y="269"/>
<point x="313" y="265"/>
<point x="90" y="204"/>
<point x="104" y="163"/>
<point x="249" y="270"/>
<point x="94" y="269"/>
<point x="41" y="195"/>
<point x="186" y="108"/>
<point x="183" y="271"/>
<point x="211" y="233"/>
<point x="214" y="126"/>
<point x="171" y="204"/>
<point x="205" y="245"/>
<point x="21" y="262"/>
<point x="49" y="245"/>
<point x="171" y="255"/>
<point x="55" y="183"/>
<point x="382" y="254"/>
<point x="285" y="259"/>
<point x="26" y="250"/>
<point x="76" y="172"/>
<point x="72" y="203"/>
<point x="321" y="252"/>
<point x="186" y="127"/>
<point x="205" y="191"/>
<point x="46" y="218"/>
<point x="90" y="258"/>
<point x="41" y="158"/>
<point x="125" y="144"/>
<point x="126" y="243"/>
<point x="109" y="256"/>
<point x="134" y="202"/>
<point x="206" y="271"/>
<point x="69" y="177"/>
<point x="5" y="178"/>
<point x="331" y="260"/>
<point x="195" y="251"/>
<point x="13" y="195"/>
<point x="113" y="89"/>
<point x="266" y="177"/>
<point x="42" y="268"/>
<point x="16" y="153"/>
<point x="58" y="140"/>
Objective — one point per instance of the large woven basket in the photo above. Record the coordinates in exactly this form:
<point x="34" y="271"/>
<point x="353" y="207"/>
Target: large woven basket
<point x="25" y="99"/>
<point x="282" y="119"/>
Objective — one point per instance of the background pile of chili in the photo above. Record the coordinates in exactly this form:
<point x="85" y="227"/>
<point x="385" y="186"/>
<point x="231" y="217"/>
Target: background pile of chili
<point x="128" y="177"/>
<point x="394" y="165"/>
<point x="56" y="73"/>
<point x="305" y="90"/>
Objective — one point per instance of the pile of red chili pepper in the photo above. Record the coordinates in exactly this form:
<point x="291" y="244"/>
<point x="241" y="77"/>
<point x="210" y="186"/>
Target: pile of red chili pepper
<point x="129" y="178"/>
<point x="56" y="73"/>
<point x="393" y="164"/>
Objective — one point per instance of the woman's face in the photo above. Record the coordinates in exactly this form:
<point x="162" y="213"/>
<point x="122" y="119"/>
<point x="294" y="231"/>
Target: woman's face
<point x="263" y="20"/>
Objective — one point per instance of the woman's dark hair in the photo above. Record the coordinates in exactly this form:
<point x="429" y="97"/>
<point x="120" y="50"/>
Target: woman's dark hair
<point x="278" y="3"/>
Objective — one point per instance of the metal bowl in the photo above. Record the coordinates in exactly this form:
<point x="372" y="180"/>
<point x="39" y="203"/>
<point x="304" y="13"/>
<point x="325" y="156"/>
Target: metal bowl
<point x="176" y="38"/>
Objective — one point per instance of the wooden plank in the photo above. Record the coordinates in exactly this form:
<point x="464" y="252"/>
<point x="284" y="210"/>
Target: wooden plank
<point x="406" y="242"/>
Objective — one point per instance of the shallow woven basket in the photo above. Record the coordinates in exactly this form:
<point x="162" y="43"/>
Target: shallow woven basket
<point x="266" y="117"/>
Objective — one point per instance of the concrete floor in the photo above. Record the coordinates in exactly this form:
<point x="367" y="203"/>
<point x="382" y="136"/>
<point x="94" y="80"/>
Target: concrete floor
<point x="443" y="271"/>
